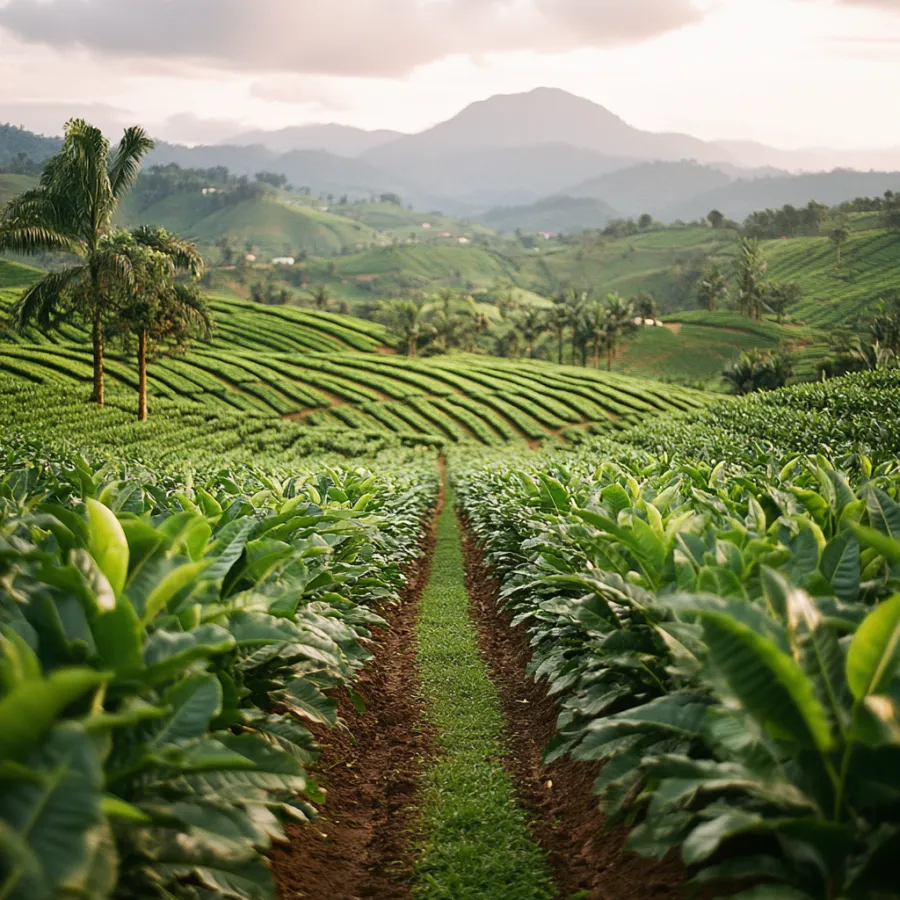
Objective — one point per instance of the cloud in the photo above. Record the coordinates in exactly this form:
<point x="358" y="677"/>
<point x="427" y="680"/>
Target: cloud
<point x="338" y="37"/>
<point x="187" y="128"/>
<point x="301" y="90"/>
<point x="889" y="5"/>
<point x="49" y="118"/>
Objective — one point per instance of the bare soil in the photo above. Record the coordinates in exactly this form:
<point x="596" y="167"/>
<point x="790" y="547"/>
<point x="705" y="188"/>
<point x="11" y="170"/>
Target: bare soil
<point x="372" y="770"/>
<point x="587" y="860"/>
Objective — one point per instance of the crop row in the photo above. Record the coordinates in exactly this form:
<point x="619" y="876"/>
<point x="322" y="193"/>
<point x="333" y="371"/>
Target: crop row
<point x="722" y="640"/>
<point x="463" y="399"/>
<point x="166" y="647"/>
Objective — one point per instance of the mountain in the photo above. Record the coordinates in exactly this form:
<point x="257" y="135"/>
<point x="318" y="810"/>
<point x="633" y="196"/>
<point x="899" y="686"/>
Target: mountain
<point x="652" y="187"/>
<point x="558" y="214"/>
<point x="341" y="140"/>
<point x="15" y="140"/>
<point x="324" y="173"/>
<point x="740" y="198"/>
<point x="540" y="117"/>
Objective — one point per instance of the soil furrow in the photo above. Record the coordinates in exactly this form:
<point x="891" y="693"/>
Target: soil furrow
<point x="587" y="860"/>
<point x="372" y="769"/>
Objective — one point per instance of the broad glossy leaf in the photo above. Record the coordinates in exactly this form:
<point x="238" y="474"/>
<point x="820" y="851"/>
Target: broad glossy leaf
<point x="768" y="682"/>
<point x="55" y="815"/>
<point x="30" y="710"/>
<point x="874" y="654"/>
<point x="107" y="544"/>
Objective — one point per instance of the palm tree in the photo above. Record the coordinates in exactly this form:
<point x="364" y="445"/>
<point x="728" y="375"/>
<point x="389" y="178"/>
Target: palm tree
<point x="153" y="305"/>
<point x="619" y="321"/>
<point x="406" y="317"/>
<point x="713" y="289"/>
<point x="645" y="304"/>
<point x="70" y="211"/>
<point x="320" y="297"/>
<point x="575" y="304"/>
<point x="839" y="236"/>
<point x="751" y="269"/>
<point x="559" y="318"/>
<point x="598" y="326"/>
<point x="532" y="323"/>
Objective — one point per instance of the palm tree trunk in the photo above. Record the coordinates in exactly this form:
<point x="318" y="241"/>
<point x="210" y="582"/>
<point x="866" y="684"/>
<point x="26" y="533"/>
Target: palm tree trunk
<point x="609" y="357"/>
<point x="559" y="355"/>
<point x="411" y="347"/>
<point x="596" y="352"/>
<point x="97" y="341"/>
<point x="142" y="376"/>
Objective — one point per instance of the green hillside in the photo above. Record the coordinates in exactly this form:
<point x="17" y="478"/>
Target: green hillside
<point x="11" y="185"/>
<point x="455" y="399"/>
<point x="276" y="224"/>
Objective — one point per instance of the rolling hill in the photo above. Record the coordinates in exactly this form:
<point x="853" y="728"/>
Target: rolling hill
<point x="557" y="214"/>
<point x="323" y="371"/>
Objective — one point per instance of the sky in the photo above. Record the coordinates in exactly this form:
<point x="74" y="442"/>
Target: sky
<point x="788" y="73"/>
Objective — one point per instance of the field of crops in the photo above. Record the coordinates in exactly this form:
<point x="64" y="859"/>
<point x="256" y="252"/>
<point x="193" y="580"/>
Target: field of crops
<point x="837" y="296"/>
<point x="710" y="597"/>
<point x="456" y="399"/>
<point x="722" y="636"/>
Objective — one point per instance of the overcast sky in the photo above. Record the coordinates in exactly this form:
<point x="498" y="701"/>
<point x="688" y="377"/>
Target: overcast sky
<point x="791" y="73"/>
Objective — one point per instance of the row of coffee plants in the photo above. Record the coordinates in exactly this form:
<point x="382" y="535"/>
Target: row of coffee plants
<point x="724" y="639"/>
<point x="165" y="645"/>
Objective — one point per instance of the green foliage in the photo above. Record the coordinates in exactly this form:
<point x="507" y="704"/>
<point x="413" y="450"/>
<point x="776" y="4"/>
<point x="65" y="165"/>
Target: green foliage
<point x="164" y="646"/>
<point x="722" y="638"/>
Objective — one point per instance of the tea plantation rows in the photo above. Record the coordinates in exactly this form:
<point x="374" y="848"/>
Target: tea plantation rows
<point x="456" y="399"/>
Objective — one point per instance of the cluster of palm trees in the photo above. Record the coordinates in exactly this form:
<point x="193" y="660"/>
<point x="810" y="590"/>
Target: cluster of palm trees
<point x="590" y="327"/>
<point x="119" y="284"/>
<point x="451" y="321"/>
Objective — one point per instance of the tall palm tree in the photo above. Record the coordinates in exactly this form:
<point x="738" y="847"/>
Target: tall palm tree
<point x="156" y="307"/>
<point x="70" y="211"/>
<point x="597" y="323"/>
<point x="575" y="304"/>
<point x="619" y="321"/>
<point x="532" y="323"/>
<point x="559" y="318"/>
<point x="406" y="317"/>
<point x="751" y="270"/>
<point x="713" y="289"/>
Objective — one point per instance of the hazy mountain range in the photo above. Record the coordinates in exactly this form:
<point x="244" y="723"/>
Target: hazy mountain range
<point x="518" y="150"/>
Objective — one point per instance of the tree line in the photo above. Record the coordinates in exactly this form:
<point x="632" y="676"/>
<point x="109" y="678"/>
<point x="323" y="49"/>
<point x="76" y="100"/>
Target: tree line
<point x="592" y="328"/>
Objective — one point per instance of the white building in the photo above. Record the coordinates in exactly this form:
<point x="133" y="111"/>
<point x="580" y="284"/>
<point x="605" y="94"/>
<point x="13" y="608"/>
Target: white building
<point x="283" y="261"/>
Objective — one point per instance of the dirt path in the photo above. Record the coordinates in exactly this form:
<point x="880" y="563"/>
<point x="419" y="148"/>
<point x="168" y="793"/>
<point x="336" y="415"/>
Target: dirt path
<point x="372" y="771"/>
<point x="564" y="813"/>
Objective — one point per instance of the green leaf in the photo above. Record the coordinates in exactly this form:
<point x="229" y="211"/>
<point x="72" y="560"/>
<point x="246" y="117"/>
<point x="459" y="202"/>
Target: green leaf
<point x="887" y="547"/>
<point x="875" y="651"/>
<point x="54" y="814"/>
<point x="107" y="544"/>
<point x="769" y="683"/>
<point x="118" y="636"/>
<point x="195" y="702"/>
<point x="30" y="710"/>
<point x="884" y="513"/>
<point x="172" y="584"/>
<point x="840" y="566"/>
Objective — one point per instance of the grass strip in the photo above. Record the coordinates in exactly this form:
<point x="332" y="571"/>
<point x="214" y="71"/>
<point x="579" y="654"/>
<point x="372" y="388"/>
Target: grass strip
<point x="477" y="843"/>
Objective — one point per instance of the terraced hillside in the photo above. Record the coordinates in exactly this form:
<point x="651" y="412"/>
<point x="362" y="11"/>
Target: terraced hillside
<point x="455" y="399"/>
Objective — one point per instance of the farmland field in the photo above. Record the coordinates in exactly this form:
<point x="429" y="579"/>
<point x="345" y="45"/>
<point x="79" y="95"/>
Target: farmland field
<point x="337" y="622"/>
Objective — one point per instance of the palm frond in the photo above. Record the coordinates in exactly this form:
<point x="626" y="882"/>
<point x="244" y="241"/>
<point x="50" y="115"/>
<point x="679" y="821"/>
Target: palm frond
<point x="194" y="307"/>
<point x="31" y="239"/>
<point x="126" y="163"/>
<point x="42" y="303"/>
<point x="183" y="253"/>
